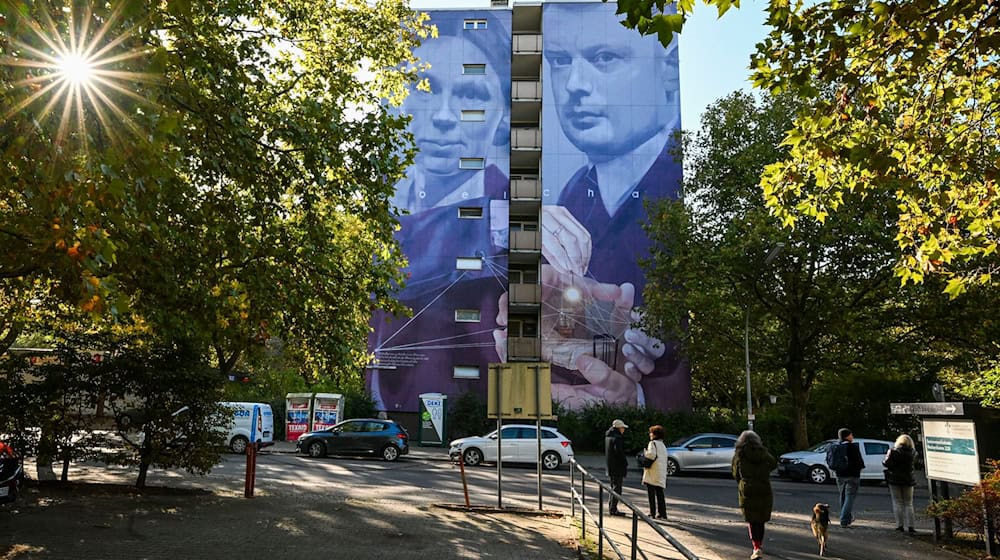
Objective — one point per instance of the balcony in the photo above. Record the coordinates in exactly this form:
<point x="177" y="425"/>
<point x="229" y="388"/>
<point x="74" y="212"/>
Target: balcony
<point x="528" y="43"/>
<point x="525" y="294"/>
<point x="524" y="348"/>
<point x="526" y="138"/>
<point x="529" y="90"/>
<point x="526" y="241"/>
<point x="525" y="189"/>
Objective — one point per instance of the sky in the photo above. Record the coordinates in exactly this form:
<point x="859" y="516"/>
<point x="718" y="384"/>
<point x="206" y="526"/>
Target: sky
<point x="714" y="53"/>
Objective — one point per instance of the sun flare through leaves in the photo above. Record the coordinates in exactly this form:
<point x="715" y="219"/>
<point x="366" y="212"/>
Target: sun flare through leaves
<point x="75" y="67"/>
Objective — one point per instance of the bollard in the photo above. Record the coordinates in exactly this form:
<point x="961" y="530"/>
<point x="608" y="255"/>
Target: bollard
<point x="251" y="473"/>
<point x="465" y="484"/>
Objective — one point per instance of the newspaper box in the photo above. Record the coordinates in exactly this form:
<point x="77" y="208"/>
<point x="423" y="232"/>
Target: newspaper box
<point x="298" y="410"/>
<point x="327" y="410"/>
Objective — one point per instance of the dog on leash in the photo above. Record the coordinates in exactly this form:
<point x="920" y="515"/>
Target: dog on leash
<point x="820" y="523"/>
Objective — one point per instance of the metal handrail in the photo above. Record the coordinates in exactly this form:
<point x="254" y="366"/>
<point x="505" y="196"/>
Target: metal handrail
<point x="580" y="498"/>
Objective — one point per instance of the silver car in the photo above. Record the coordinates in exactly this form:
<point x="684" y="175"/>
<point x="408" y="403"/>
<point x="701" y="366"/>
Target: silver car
<point x="701" y="453"/>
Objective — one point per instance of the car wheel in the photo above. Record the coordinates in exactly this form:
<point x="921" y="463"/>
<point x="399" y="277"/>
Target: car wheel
<point x="672" y="467"/>
<point x="818" y="474"/>
<point x="472" y="456"/>
<point x="551" y="460"/>
<point x="239" y="445"/>
<point x="390" y="452"/>
<point x="316" y="448"/>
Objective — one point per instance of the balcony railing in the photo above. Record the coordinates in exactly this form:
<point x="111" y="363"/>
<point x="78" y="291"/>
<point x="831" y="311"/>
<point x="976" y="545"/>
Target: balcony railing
<point x="528" y="43"/>
<point x="530" y="90"/>
<point x="525" y="189"/>
<point x="525" y="241"/>
<point x="524" y="348"/>
<point x="526" y="138"/>
<point x="525" y="294"/>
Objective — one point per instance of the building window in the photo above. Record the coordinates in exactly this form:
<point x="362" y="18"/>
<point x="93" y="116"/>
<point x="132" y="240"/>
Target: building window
<point x="526" y="276"/>
<point x="523" y="226"/>
<point x="467" y="315"/>
<point x="473" y="115"/>
<point x="474" y="69"/>
<point x="471" y="163"/>
<point x="477" y="23"/>
<point x="469" y="263"/>
<point x="466" y="372"/>
<point x="470" y="212"/>
<point x="524" y="328"/>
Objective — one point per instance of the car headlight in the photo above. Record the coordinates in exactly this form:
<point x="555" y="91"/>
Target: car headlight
<point x="795" y="461"/>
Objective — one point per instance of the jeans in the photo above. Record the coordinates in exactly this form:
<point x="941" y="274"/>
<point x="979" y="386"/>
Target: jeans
<point x="902" y="505"/>
<point x="616" y="485"/>
<point x="847" y="487"/>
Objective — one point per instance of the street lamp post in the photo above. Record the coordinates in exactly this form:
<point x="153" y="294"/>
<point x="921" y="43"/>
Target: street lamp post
<point x="773" y="254"/>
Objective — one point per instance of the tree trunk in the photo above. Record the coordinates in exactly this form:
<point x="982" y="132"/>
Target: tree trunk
<point x="65" y="469"/>
<point x="800" y="405"/>
<point x="46" y="455"/>
<point x="143" y="469"/>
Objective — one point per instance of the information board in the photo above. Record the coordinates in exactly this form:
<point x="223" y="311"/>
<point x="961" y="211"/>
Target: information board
<point x="950" y="451"/>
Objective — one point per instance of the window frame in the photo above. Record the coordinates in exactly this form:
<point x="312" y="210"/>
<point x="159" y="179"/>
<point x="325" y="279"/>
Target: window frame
<point x="472" y="163"/>
<point x="455" y="372"/>
<point x="474" y="24"/>
<point x="459" y="261"/>
<point x="474" y="69"/>
<point x="479" y="316"/>
<point x="481" y="113"/>
<point x="471" y="212"/>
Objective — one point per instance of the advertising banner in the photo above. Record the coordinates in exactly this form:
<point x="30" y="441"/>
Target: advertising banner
<point x="611" y="104"/>
<point x="297" y="412"/>
<point x="950" y="451"/>
<point x="455" y="230"/>
<point x="432" y="415"/>
<point x="326" y="410"/>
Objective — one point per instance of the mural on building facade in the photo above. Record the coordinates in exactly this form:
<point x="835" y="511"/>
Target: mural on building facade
<point x="611" y="104"/>
<point x="456" y="196"/>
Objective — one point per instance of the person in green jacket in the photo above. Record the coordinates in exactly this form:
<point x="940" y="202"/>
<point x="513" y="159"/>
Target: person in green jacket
<point x="752" y="466"/>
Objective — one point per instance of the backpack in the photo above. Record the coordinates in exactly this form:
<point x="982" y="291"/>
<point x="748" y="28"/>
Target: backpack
<point x="836" y="457"/>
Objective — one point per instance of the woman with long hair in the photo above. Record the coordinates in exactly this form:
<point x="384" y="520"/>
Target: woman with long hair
<point x="752" y="466"/>
<point x="899" y="476"/>
<point x="655" y="475"/>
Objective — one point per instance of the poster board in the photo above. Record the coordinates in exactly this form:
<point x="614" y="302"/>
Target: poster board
<point x="517" y="390"/>
<point x="950" y="451"/>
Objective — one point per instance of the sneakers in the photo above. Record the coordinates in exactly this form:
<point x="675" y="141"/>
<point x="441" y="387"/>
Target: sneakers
<point x="757" y="553"/>
<point x="617" y="513"/>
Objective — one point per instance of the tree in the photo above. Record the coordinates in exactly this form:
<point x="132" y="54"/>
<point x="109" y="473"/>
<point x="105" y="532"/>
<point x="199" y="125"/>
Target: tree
<point x="227" y="178"/>
<point x="915" y="115"/>
<point x="825" y="306"/>
<point x="172" y="398"/>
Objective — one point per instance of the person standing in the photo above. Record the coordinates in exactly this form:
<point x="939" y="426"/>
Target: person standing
<point x="899" y="476"/>
<point x="614" y="452"/>
<point x="655" y="475"/>
<point x="752" y="466"/>
<point x="844" y="458"/>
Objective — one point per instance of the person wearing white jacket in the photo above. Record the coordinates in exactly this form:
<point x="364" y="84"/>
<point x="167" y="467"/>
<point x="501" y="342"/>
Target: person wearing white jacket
<point x="655" y="475"/>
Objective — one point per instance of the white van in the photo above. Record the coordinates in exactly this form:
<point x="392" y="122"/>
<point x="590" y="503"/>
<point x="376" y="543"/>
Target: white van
<point x="242" y="420"/>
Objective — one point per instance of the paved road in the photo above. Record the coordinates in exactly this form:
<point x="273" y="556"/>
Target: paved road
<point x="702" y="509"/>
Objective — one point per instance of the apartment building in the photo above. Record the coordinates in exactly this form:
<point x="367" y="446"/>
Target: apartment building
<point x="547" y="128"/>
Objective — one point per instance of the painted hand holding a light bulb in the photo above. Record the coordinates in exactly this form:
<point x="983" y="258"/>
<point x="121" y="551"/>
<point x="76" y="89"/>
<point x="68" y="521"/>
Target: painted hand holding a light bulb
<point x="567" y="292"/>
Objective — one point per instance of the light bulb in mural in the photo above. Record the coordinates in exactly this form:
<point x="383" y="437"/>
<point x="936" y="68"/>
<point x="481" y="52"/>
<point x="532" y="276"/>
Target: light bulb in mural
<point x="569" y="309"/>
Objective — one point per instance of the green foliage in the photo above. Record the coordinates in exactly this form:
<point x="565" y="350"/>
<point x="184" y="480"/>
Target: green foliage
<point x="823" y="306"/>
<point x="586" y="426"/>
<point x="647" y="17"/>
<point x="974" y="506"/>
<point x="233" y="186"/>
<point x="913" y="115"/>
<point x="467" y="416"/>
<point x="173" y="400"/>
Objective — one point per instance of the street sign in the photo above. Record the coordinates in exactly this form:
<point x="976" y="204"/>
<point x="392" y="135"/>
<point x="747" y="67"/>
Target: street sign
<point x="928" y="408"/>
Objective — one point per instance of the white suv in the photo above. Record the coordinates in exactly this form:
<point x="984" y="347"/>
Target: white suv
<point x="811" y="463"/>
<point x="520" y="445"/>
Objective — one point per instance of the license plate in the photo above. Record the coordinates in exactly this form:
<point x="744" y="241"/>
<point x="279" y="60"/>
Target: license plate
<point x="4" y="490"/>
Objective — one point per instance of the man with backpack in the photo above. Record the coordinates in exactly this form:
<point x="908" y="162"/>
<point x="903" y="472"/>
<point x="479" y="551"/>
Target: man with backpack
<point x="844" y="458"/>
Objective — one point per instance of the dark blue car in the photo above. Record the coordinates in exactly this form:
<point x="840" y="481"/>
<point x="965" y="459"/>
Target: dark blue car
<point x="357" y="436"/>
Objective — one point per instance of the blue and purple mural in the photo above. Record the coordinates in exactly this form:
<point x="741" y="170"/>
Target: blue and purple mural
<point x="456" y="196"/>
<point x="611" y="105"/>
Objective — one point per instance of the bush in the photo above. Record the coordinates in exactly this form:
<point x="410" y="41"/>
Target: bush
<point x="467" y="416"/>
<point x="967" y="510"/>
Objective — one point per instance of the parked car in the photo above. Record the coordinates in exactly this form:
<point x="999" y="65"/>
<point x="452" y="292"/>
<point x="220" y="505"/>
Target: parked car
<point x="520" y="445"/>
<point x="357" y="436"/>
<point x="811" y="464"/>
<point x="701" y="453"/>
